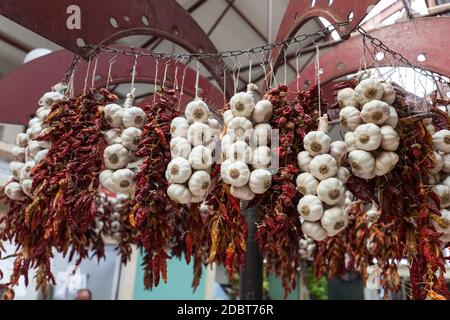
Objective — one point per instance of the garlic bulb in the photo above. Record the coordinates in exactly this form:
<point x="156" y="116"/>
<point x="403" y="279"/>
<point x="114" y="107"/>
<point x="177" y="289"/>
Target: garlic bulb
<point x="262" y="156"/>
<point x="180" y="147"/>
<point x="179" y="127"/>
<point x="237" y="174"/>
<point x="40" y="156"/>
<point x="443" y="192"/>
<point x="33" y="132"/>
<point x="304" y="160"/>
<point x="200" y="158"/>
<point x="388" y="93"/>
<point x="19" y="153"/>
<point x="240" y="151"/>
<point x="334" y="220"/>
<point x="197" y="199"/>
<point x="349" y="118"/>
<point x="226" y="142"/>
<point x="393" y="117"/>
<point x="310" y="208"/>
<point x="367" y="137"/>
<point x="133" y="117"/>
<point x="49" y="98"/>
<point x="13" y="190"/>
<point x="131" y="137"/>
<point x="199" y="183"/>
<point x="260" y="181"/>
<point x="445" y="217"/>
<point x="331" y="191"/>
<point x="113" y="114"/>
<point x="385" y="162"/>
<point x="227" y="116"/>
<point x="362" y="163"/>
<point x="196" y="111"/>
<point x="26" y="185"/>
<point x="15" y="167"/>
<point x="338" y="150"/>
<point x="112" y="135"/>
<point x="199" y="134"/>
<point x="316" y="142"/>
<point x="214" y="125"/>
<point x="306" y="184"/>
<point x="347" y="98"/>
<point x="224" y="165"/>
<point x="375" y="111"/>
<point x="178" y="170"/>
<point x="323" y="166"/>
<point x="446" y="181"/>
<point x="446" y="166"/>
<point x="26" y="170"/>
<point x="115" y="156"/>
<point x="34" y="122"/>
<point x="373" y="214"/>
<point x="240" y="128"/>
<point x="105" y="179"/>
<point x="42" y="113"/>
<point x="22" y="140"/>
<point x="367" y="90"/>
<point x="44" y="144"/>
<point x="262" y="112"/>
<point x="261" y="135"/>
<point x="33" y="148"/>
<point x="441" y="140"/>
<point x="179" y="193"/>
<point x="243" y="193"/>
<point x="122" y="180"/>
<point x="350" y="141"/>
<point x="242" y="104"/>
<point x="314" y="230"/>
<point x="435" y="178"/>
<point x="390" y="139"/>
<point x="343" y="174"/>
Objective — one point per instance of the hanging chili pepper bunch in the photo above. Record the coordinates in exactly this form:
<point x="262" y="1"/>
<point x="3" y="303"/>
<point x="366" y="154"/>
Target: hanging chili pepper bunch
<point x="398" y="180"/>
<point x="61" y="214"/>
<point x="279" y="227"/>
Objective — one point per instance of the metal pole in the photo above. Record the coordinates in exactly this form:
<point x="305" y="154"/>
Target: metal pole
<point x="252" y="277"/>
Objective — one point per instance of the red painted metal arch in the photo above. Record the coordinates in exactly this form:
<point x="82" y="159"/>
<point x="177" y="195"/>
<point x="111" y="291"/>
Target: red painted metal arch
<point x="298" y="12"/>
<point x="21" y="89"/>
<point x="410" y="38"/>
<point x="118" y="19"/>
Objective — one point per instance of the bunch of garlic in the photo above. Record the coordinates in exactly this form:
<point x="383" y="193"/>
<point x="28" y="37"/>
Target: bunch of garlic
<point x="322" y="184"/>
<point x="123" y="140"/>
<point x="246" y="145"/>
<point x="28" y="152"/>
<point x="370" y="120"/>
<point x="192" y="145"/>
<point x="307" y="247"/>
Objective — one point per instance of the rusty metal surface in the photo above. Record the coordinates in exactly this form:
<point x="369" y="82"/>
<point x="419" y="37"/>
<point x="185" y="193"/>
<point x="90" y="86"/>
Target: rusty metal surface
<point x="298" y="12"/>
<point x="166" y="19"/>
<point x="410" y="38"/>
<point x="21" y="89"/>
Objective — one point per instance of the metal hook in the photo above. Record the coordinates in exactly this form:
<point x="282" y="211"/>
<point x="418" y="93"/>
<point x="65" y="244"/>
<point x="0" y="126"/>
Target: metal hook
<point x="156" y="80"/>
<point x="111" y="62"/>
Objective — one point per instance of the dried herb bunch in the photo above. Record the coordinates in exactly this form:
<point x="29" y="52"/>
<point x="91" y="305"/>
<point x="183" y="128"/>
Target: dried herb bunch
<point x="279" y="227"/>
<point x="62" y="214"/>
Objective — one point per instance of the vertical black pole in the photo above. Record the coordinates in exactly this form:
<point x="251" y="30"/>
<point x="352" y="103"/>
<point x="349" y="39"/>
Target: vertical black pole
<point x="252" y="277"/>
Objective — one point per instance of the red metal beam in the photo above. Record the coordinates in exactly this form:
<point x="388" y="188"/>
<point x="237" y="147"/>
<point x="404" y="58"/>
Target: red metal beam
<point x="298" y="12"/>
<point x="118" y="19"/>
<point x="410" y="38"/>
<point x="36" y="77"/>
<point x="384" y="14"/>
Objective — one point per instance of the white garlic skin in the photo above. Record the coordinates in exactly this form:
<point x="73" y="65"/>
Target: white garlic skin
<point x="134" y="117"/>
<point x="262" y="157"/>
<point x="19" y="153"/>
<point x="331" y="191"/>
<point x="179" y="127"/>
<point x="179" y="193"/>
<point x="390" y="140"/>
<point x="350" y="118"/>
<point x="41" y="155"/>
<point x="131" y="137"/>
<point x="237" y="174"/>
<point x="338" y="150"/>
<point x="376" y="112"/>
<point x="441" y="141"/>
<point x="306" y="184"/>
<point x="243" y="193"/>
<point x="199" y="134"/>
<point x="240" y="128"/>
<point x="112" y="135"/>
<point x="367" y="90"/>
<point x="106" y="181"/>
<point x="323" y="166"/>
<point x="49" y="98"/>
<point x="388" y="93"/>
<point x="240" y="151"/>
<point x="260" y="181"/>
<point x="15" y="167"/>
<point x="14" y="191"/>
<point x="199" y="183"/>
<point x="443" y="192"/>
<point x="226" y="142"/>
<point x="262" y="111"/>
<point x="310" y="208"/>
<point x="347" y="98"/>
<point x="334" y="220"/>
<point x="115" y="156"/>
<point x="350" y="140"/>
<point x="122" y="180"/>
<point x="343" y="174"/>
<point x="446" y="166"/>
<point x="27" y="185"/>
<point x="26" y="169"/>
<point x="22" y="140"/>
<point x="362" y="163"/>
<point x="242" y="104"/>
<point x="180" y="147"/>
<point x="304" y="159"/>
<point x="200" y="158"/>
<point x="393" y="118"/>
<point x="316" y="142"/>
<point x="196" y="111"/>
<point x="227" y="116"/>
<point x="261" y="135"/>
<point x="178" y="170"/>
<point x="314" y="230"/>
<point x="367" y="137"/>
<point x="385" y="161"/>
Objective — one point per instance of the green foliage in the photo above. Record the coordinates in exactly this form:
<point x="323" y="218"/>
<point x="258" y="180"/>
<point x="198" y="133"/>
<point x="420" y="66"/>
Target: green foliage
<point x="318" y="288"/>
